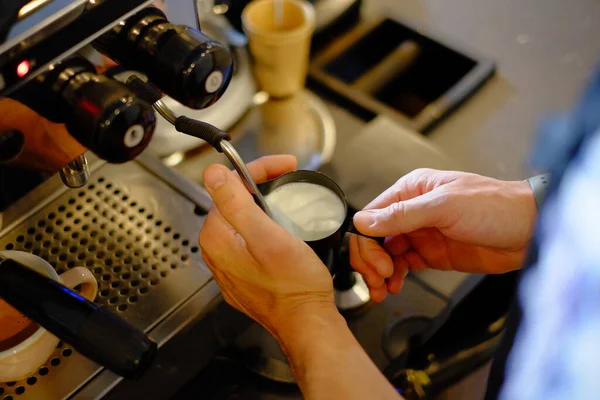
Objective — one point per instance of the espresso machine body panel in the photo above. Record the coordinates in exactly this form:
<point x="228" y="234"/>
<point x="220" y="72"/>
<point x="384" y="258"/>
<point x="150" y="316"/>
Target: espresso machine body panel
<point x="51" y="32"/>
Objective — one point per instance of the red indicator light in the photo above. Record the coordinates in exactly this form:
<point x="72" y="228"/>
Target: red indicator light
<point x="90" y="107"/>
<point x="23" y="68"/>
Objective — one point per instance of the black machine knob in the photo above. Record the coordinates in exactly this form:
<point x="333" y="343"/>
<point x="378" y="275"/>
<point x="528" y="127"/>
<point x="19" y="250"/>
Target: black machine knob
<point x="183" y="62"/>
<point x="107" y="118"/>
<point x="101" y="113"/>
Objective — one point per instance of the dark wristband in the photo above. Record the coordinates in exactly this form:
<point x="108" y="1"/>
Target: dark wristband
<point x="539" y="184"/>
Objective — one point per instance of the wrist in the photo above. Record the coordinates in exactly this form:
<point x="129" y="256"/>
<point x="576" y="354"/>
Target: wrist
<point x="298" y="326"/>
<point x="539" y="185"/>
<point x="304" y="334"/>
<point x="326" y="359"/>
<point x="529" y="210"/>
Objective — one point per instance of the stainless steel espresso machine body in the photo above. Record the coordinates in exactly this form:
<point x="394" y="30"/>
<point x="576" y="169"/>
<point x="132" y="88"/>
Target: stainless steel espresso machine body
<point x="133" y="224"/>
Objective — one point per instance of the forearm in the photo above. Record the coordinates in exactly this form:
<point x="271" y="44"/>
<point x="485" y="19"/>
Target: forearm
<point x="328" y="362"/>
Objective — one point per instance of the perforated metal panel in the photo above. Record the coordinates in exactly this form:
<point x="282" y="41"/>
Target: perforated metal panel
<point x="137" y="235"/>
<point x="13" y="390"/>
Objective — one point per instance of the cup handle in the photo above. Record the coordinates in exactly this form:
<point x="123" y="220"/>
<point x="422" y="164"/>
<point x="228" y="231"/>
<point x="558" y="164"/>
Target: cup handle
<point x="352" y="229"/>
<point x="81" y="276"/>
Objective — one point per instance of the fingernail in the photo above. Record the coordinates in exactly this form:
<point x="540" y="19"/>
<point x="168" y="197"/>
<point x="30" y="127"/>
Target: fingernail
<point x="215" y="177"/>
<point x="365" y="218"/>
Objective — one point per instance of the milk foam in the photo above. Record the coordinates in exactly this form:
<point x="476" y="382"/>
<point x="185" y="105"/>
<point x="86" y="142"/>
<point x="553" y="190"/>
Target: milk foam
<point x="306" y="210"/>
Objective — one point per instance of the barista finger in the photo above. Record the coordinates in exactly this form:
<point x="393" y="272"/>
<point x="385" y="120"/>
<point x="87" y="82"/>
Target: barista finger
<point x="219" y="241"/>
<point x="397" y="245"/>
<point x="370" y="275"/>
<point x="378" y="294"/>
<point x="375" y="256"/>
<point x="415" y="261"/>
<point x="237" y="207"/>
<point x="271" y="167"/>
<point x="396" y="281"/>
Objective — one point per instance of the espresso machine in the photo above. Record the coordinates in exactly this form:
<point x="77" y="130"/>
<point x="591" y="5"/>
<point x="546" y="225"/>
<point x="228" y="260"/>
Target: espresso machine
<point x="83" y="192"/>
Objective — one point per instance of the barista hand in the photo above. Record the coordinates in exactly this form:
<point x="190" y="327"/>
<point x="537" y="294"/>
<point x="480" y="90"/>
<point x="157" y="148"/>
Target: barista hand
<point x="443" y="220"/>
<point x="277" y="280"/>
<point x="263" y="270"/>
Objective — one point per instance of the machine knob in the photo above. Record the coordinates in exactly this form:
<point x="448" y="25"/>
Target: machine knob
<point x="100" y="113"/>
<point x="184" y="63"/>
<point x="107" y="118"/>
<point x="192" y="67"/>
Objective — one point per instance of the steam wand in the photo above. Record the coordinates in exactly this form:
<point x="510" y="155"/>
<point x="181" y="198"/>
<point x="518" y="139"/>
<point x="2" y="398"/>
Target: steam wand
<point x="201" y="130"/>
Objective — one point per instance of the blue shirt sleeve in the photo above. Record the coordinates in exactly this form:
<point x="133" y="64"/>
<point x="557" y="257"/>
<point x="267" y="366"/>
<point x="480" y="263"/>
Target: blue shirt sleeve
<point x="557" y="348"/>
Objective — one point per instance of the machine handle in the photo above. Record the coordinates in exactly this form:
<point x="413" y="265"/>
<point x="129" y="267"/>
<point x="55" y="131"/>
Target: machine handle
<point x="92" y="330"/>
<point x="202" y="130"/>
<point x="189" y="126"/>
<point x="144" y="90"/>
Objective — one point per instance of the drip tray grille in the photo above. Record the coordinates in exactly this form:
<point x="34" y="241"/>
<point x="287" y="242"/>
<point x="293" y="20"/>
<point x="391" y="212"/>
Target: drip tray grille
<point x="139" y="238"/>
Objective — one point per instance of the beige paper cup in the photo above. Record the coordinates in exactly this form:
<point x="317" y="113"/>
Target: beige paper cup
<point x="281" y="54"/>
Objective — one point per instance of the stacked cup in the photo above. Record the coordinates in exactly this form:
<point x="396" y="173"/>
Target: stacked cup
<point x="279" y="34"/>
